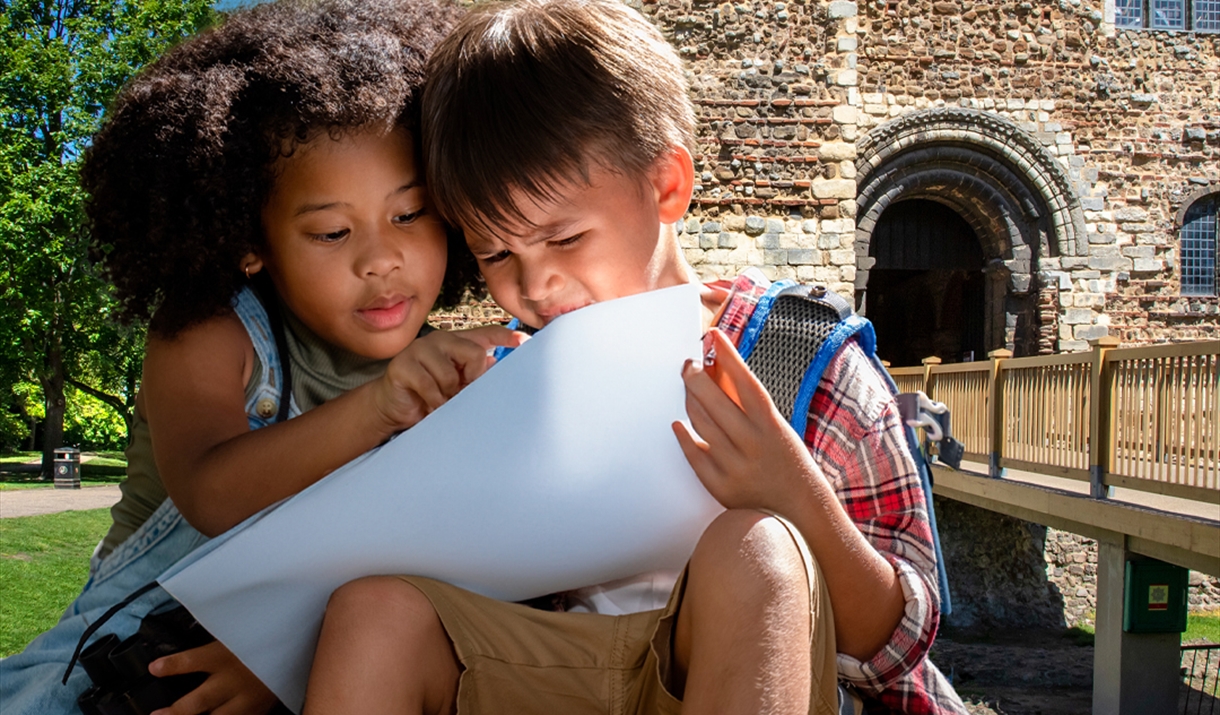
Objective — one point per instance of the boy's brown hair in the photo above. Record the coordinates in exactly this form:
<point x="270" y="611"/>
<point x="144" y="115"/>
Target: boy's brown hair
<point x="523" y="95"/>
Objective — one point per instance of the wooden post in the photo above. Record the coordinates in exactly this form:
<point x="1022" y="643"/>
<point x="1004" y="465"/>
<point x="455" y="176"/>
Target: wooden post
<point x="928" y="364"/>
<point x="995" y="419"/>
<point x="1099" y="416"/>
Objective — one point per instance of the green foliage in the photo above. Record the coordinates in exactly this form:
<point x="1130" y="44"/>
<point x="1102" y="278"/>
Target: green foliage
<point x="61" y="62"/>
<point x="13" y="430"/>
<point x="44" y="561"/>
<point x="90" y="424"/>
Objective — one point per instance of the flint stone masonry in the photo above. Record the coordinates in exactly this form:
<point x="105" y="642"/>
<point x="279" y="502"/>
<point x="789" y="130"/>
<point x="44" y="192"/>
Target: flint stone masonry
<point x="783" y="90"/>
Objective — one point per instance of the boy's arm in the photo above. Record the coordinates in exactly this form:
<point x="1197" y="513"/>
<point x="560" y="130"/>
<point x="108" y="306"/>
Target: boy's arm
<point x="749" y="457"/>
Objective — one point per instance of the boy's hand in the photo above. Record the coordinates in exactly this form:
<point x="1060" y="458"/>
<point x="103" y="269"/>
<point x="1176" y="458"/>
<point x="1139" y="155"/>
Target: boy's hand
<point x="231" y="689"/>
<point x="745" y="452"/>
<point x="434" y="368"/>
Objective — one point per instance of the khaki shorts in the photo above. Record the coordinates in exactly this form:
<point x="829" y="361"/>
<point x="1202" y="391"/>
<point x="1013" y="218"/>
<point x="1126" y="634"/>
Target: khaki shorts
<point x="518" y="659"/>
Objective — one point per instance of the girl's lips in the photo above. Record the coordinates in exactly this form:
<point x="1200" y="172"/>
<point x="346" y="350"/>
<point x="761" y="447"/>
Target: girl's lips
<point x="385" y="314"/>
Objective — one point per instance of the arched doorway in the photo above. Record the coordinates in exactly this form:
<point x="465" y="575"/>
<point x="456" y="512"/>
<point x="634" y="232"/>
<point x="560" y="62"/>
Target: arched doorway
<point x="932" y="171"/>
<point x="927" y="289"/>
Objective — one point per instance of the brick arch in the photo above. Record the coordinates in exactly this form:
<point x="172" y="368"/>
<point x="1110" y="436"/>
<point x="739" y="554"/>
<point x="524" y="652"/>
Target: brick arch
<point x="1011" y="191"/>
<point x="1193" y="198"/>
<point x="1017" y="191"/>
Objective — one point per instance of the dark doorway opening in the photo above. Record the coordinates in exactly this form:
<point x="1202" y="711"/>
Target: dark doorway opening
<point x="926" y="293"/>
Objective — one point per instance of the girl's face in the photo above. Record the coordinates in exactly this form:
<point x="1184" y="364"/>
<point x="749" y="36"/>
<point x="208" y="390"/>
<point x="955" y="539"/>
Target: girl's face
<point x="352" y="245"/>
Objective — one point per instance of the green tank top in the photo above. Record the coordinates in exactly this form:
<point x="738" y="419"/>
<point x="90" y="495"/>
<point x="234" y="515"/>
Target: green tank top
<point x="320" y="372"/>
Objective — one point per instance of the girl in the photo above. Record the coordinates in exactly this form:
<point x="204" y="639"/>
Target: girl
<point x="258" y="185"/>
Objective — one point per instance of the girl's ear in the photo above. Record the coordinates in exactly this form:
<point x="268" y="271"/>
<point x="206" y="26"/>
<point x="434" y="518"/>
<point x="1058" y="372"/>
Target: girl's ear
<point x="673" y="179"/>
<point x="251" y="264"/>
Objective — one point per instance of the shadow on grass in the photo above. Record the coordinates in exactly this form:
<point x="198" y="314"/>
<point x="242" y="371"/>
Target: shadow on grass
<point x="28" y="474"/>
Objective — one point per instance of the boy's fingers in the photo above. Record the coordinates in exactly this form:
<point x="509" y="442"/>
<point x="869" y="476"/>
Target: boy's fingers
<point x="701" y="462"/>
<point x="704" y="424"/>
<point x="717" y="406"/>
<point x="732" y="369"/>
<point x="695" y="451"/>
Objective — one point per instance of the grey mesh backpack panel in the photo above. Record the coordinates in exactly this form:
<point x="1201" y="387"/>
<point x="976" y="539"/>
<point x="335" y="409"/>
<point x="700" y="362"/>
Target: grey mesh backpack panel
<point x="795" y="330"/>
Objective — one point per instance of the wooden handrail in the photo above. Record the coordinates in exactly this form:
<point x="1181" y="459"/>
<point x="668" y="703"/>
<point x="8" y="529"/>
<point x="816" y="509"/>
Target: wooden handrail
<point x="1144" y="418"/>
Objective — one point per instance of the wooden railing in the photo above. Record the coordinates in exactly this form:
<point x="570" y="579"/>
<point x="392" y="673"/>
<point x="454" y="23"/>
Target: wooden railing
<point x="1142" y="418"/>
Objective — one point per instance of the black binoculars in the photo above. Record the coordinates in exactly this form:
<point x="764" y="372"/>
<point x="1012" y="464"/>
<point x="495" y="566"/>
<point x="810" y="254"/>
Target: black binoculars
<point x="122" y="684"/>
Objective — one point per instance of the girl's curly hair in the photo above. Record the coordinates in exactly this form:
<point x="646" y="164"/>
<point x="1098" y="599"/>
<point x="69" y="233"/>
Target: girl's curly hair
<point x="179" y="172"/>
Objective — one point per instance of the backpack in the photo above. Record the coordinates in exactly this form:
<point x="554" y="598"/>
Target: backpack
<point x="791" y="337"/>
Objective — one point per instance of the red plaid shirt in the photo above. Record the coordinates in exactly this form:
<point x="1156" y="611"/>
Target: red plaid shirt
<point x="857" y="437"/>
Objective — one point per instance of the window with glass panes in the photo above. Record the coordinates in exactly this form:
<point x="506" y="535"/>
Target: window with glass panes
<point x="1198" y="248"/>
<point x="1196" y="15"/>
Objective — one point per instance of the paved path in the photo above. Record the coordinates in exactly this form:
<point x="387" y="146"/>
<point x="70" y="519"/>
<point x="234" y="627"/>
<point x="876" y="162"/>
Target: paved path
<point x="48" y="500"/>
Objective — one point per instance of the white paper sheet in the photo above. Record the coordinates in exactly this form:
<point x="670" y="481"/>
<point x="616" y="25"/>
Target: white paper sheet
<point x="557" y="469"/>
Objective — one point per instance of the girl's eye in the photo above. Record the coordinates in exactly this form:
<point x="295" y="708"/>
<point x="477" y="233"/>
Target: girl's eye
<point x="495" y="257"/>
<point x="408" y="218"/>
<point x="331" y="237"/>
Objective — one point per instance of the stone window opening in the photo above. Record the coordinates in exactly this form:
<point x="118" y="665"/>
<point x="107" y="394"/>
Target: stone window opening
<point x="1194" y="15"/>
<point x="1198" y="238"/>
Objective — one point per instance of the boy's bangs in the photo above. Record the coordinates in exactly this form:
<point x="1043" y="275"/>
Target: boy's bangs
<point x="523" y="98"/>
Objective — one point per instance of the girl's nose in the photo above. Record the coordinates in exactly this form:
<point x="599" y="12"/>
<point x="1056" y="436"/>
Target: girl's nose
<point x="379" y="253"/>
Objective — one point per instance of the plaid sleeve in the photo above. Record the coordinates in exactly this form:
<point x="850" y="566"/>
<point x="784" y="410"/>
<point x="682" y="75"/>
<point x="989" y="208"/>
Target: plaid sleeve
<point x="856" y="435"/>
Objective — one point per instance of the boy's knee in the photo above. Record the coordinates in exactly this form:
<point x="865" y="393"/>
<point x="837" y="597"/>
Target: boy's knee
<point x="747" y="549"/>
<point x="378" y="597"/>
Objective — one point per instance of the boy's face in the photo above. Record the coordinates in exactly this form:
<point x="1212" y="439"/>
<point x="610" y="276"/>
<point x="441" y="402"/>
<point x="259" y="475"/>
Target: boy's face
<point x="604" y="240"/>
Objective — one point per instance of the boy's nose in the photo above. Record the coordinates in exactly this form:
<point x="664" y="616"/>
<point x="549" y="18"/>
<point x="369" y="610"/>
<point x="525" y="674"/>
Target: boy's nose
<point x="538" y="282"/>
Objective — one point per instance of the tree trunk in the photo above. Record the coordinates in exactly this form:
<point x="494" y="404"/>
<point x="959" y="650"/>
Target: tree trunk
<point x="53" y="393"/>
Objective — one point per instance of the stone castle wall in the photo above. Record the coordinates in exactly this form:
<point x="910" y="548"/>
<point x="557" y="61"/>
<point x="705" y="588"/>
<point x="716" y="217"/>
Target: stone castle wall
<point x="785" y="92"/>
<point x="1008" y="573"/>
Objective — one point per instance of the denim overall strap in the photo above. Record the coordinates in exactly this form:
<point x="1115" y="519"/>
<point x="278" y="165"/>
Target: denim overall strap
<point x="30" y="681"/>
<point x="264" y="402"/>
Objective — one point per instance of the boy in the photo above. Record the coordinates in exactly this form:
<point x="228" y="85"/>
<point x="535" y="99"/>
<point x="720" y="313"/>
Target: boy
<point x="558" y="136"/>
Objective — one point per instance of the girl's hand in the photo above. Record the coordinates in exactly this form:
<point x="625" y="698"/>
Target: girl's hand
<point x="231" y="689"/>
<point x="434" y="368"/>
<point x="745" y="452"/>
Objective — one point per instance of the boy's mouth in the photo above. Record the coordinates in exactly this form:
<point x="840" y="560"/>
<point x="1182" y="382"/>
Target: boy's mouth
<point x="554" y="312"/>
<point x="385" y="313"/>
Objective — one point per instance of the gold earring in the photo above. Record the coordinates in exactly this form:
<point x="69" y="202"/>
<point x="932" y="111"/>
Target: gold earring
<point x="246" y="268"/>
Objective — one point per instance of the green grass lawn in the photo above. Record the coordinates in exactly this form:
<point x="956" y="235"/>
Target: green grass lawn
<point x="44" y="561"/>
<point x="9" y="482"/>
<point x="98" y="468"/>
<point x="1202" y="627"/>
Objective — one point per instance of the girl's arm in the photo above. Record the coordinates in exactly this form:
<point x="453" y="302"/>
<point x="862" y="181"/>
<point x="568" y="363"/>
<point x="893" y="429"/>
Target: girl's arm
<point x="218" y="472"/>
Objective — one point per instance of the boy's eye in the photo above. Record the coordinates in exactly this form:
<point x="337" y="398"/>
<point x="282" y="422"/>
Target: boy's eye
<point x="332" y="236"/>
<point x="568" y="241"/>
<point x="494" y="258"/>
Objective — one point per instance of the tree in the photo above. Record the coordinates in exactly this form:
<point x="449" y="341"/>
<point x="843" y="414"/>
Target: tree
<point x="61" y="62"/>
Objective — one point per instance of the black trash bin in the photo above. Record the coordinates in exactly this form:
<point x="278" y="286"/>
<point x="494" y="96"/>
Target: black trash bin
<point x="67" y="468"/>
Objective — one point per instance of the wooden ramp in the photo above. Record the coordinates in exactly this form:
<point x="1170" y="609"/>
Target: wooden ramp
<point x="1119" y="445"/>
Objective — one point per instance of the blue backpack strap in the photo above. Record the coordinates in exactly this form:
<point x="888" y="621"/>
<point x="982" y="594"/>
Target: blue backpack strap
<point x="793" y="334"/>
<point x="265" y="405"/>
